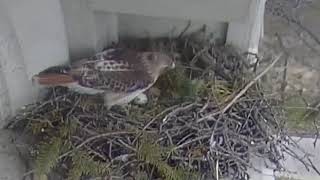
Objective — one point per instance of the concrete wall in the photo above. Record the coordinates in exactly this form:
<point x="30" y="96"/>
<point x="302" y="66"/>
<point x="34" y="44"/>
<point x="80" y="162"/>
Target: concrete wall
<point x="145" y="26"/>
<point x="32" y="37"/>
<point x="14" y="87"/>
<point x="245" y="17"/>
<point x="209" y="10"/>
<point x="39" y="26"/>
<point x="92" y="24"/>
<point x="89" y="30"/>
<point x="81" y="28"/>
<point x="5" y="38"/>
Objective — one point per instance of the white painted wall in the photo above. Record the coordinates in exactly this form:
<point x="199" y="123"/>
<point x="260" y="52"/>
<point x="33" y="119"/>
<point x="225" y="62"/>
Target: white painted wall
<point x="245" y="17"/>
<point x="209" y="10"/>
<point x="145" y="26"/>
<point x="14" y="86"/>
<point x="87" y="31"/>
<point x="80" y="28"/>
<point x="39" y="26"/>
<point x="5" y="110"/>
<point x="32" y="38"/>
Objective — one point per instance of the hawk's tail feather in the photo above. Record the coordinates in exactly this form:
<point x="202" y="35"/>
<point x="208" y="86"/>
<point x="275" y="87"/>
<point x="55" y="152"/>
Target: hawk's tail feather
<point x="63" y="69"/>
<point x="53" y="79"/>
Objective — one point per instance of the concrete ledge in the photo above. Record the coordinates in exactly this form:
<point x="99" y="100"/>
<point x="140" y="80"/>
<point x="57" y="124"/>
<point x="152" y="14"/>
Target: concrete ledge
<point x="212" y="10"/>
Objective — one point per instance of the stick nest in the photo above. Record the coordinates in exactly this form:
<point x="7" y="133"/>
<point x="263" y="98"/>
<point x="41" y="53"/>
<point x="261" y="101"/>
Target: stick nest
<point x="182" y="133"/>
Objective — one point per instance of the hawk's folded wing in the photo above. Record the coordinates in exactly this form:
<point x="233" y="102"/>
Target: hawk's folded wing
<point x="117" y="70"/>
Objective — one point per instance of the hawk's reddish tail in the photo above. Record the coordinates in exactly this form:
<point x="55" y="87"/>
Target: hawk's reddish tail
<point x="53" y="79"/>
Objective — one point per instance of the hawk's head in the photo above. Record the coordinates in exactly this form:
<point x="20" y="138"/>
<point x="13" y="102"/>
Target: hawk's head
<point x="158" y="62"/>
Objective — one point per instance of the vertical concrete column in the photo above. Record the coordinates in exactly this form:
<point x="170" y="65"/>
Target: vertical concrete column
<point x="5" y="110"/>
<point x="257" y="27"/>
<point x="247" y="33"/>
<point x="40" y="28"/>
<point x="15" y="88"/>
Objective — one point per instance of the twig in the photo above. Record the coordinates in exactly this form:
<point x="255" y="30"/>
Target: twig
<point x="313" y="166"/>
<point x="217" y="169"/>
<point x="191" y="141"/>
<point x="177" y="110"/>
<point x="245" y="89"/>
<point x="94" y="138"/>
<point x="317" y="133"/>
<point x="284" y="77"/>
<point x="308" y="31"/>
<point x="152" y="120"/>
<point x="185" y="30"/>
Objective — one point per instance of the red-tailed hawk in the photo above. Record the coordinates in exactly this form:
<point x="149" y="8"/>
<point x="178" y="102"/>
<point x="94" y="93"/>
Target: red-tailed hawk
<point x="120" y="74"/>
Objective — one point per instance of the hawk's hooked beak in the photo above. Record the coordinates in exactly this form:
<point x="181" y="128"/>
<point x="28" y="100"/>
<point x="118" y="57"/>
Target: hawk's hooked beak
<point x="175" y="57"/>
<point x="173" y="65"/>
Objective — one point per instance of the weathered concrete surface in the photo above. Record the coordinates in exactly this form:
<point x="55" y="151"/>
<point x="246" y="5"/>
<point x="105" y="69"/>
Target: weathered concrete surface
<point x="11" y="165"/>
<point x="297" y="169"/>
<point x="265" y="174"/>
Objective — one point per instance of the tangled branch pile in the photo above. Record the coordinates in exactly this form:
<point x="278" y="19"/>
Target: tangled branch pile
<point x="184" y="132"/>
